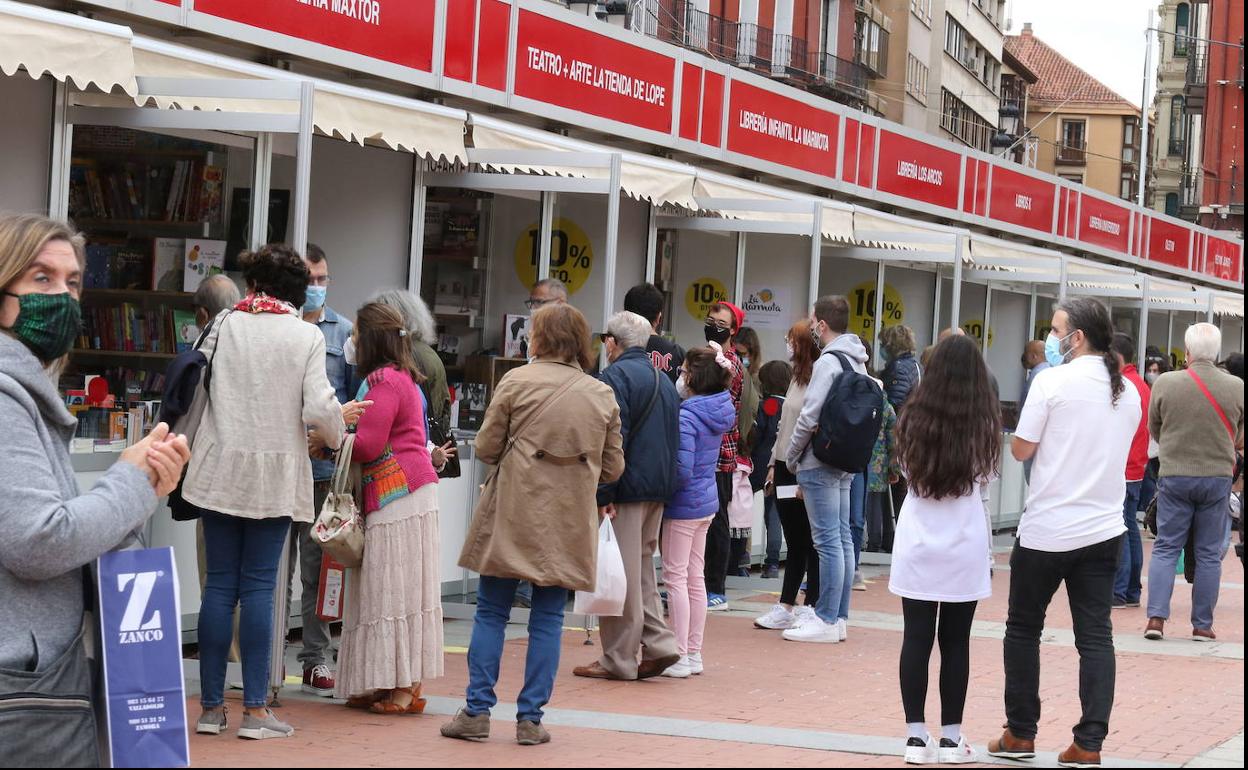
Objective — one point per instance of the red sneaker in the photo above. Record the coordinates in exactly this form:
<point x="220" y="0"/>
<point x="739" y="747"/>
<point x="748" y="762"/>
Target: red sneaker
<point x="318" y="680"/>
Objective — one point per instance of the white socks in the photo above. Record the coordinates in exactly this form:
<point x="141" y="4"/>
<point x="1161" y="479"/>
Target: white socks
<point x="951" y="732"/>
<point x="917" y="730"/>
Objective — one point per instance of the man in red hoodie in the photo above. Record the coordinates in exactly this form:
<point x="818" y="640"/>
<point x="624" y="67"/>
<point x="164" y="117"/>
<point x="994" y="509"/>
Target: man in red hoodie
<point x="1127" y="587"/>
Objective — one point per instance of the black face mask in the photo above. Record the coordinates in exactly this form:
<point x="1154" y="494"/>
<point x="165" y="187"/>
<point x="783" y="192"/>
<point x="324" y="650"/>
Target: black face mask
<point x="715" y="334"/>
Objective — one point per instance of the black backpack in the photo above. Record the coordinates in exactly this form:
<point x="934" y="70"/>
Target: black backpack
<point x="849" y="423"/>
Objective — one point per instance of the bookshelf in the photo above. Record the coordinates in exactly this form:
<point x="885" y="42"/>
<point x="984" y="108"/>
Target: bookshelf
<point x="151" y="208"/>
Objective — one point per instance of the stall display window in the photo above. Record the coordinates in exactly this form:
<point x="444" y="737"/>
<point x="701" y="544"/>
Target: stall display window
<point x="153" y="209"/>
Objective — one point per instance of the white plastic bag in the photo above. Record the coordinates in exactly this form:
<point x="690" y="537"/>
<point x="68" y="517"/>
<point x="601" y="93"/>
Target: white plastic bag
<point x="607" y="598"/>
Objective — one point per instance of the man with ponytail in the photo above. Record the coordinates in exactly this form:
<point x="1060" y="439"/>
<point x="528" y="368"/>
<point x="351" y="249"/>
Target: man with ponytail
<point x="1078" y="424"/>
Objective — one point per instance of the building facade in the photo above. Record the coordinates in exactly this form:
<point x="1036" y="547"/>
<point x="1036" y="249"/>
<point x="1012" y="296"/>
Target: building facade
<point x="1173" y="152"/>
<point x="1213" y="91"/>
<point x="1087" y="133"/>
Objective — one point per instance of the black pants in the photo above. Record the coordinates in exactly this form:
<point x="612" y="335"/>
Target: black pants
<point x="718" y="540"/>
<point x="802" y="562"/>
<point x="1034" y="578"/>
<point x="879" y="522"/>
<point x="927" y="622"/>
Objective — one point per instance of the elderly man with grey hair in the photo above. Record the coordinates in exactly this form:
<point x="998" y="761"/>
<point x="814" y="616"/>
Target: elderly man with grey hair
<point x="548" y="291"/>
<point x="1197" y="417"/>
<point x="215" y="293"/>
<point x="650" y="427"/>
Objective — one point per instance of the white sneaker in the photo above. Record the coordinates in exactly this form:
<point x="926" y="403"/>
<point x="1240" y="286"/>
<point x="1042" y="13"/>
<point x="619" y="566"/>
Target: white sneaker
<point x="695" y="663"/>
<point x="804" y="614"/>
<point x="679" y="670"/>
<point x="860" y="583"/>
<point x="924" y="753"/>
<point x="957" y="754"/>
<point x="814" y="630"/>
<point x="842" y="628"/>
<point x="778" y="619"/>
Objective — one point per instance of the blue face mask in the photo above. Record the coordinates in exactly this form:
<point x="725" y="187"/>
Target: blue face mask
<point x="314" y="299"/>
<point x="1053" y="349"/>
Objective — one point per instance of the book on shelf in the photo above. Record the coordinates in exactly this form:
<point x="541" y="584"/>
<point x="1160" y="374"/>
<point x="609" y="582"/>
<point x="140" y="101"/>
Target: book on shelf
<point x="516" y="336"/>
<point x="185" y="330"/>
<point x="184" y="191"/>
<point x="204" y="258"/>
<point x="131" y="328"/>
<point x="167" y="263"/>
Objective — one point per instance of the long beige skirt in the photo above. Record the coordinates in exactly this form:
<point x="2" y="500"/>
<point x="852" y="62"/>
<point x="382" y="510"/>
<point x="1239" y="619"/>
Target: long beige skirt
<point x="392" y="624"/>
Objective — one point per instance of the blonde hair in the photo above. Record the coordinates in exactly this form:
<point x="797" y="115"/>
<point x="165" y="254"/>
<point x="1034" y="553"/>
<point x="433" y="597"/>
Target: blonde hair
<point x="23" y="236"/>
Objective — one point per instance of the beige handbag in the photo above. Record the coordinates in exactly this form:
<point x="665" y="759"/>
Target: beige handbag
<point x="339" y="528"/>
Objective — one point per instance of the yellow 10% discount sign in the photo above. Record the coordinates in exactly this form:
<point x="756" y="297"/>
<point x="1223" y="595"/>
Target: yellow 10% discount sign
<point x="571" y="254"/>
<point x="975" y="328"/>
<point x="702" y="294"/>
<point x="862" y="309"/>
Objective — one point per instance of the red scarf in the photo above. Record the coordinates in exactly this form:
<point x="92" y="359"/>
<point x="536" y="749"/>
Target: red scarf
<point x="263" y="303"/>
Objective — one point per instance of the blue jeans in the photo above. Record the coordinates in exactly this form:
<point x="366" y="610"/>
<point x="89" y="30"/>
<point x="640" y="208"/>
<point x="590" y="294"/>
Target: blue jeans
<point x="1127" y="586"/>
<point x="771" y="515"/>
<point x="242" y="557"/>
<point x="827" y="494"/>
<point x="1184" y="504"/>
<point x="858" y="513"/>
<point x="485" y="651"/>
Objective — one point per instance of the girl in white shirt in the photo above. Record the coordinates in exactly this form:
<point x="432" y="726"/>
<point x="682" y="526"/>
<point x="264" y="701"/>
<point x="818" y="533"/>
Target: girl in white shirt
<point x="949" y="439"/>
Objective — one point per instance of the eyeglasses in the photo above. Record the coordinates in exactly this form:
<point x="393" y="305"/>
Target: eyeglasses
<point x="319" y="281"/>
<point x="721" y="325"/>
<point x="534" y="304"/>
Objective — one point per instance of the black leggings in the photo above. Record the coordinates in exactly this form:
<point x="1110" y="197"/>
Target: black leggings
<point x="955" y="656"/>
<point x="719" y="540"/>
<point x="801" y="562"/>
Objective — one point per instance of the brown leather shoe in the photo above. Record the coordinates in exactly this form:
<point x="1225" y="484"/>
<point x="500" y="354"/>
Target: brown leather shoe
<point x="1077" y="756"/>
<point x="1156" y="629"/>
<point x="652" y="668"/>
<point x="1010" y="747"/>
<point x="1204" y="635"/>
<point x="593" y="671"/>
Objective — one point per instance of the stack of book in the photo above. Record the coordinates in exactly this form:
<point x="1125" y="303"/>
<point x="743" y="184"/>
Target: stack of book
<point x="132" y="328"/>
<point x="182" y="191"/>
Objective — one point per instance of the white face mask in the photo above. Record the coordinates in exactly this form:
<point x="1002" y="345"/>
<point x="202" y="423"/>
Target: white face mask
<point x="348" y="351"/>
<point x="682" y="389"/>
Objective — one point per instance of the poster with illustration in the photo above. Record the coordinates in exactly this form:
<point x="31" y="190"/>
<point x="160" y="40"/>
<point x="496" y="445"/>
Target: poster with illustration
<point x="203" y="259"/>
<point x="768" y="307"/>
<point x="516" y="336"/>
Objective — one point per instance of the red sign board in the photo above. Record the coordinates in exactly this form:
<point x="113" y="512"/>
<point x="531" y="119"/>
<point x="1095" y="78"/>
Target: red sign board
<point x="765" y="125"/>
<point x="1105" y="224"/>
<point x="1022" y="200"/>
<point x="1169" y="243"/>
<point x="1222" y="259"/>
<point x="917" y="170"/>
<point x="397" y="31"/>
<point x="567" y="66"/>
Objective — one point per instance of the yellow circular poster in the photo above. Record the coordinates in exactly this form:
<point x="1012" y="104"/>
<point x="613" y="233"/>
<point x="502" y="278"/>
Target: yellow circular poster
<point x="571" y="254"/>
<point x="702" y="294"/>
<point x="862" y="309"/>
<point x="975" y="328"/>
<point x="1043" y="328"/>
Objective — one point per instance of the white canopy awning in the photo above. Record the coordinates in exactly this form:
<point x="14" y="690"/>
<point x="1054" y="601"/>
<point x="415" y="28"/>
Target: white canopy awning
<point x="354" y="114"/>
<point x="1166" y="294"/>
<point x="66" y="46"/>
<point x="1228" y="304"/>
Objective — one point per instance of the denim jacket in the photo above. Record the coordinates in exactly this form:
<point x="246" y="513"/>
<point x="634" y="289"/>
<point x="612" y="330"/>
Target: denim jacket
<point x="337" y="331"/>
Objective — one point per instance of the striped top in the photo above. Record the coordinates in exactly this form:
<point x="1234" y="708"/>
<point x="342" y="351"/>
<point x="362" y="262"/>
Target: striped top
<point x="390" y="440"/>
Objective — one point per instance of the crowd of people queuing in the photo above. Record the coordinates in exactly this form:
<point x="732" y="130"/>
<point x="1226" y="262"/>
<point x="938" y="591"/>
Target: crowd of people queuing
<point x="669" y="444"/>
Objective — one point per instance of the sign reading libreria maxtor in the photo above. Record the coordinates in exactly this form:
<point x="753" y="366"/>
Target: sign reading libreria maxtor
<point x="141" y="626"/>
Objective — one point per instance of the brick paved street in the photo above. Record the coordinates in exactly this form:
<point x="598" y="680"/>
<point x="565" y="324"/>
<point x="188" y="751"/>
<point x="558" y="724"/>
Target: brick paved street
<point x="767" y="702"/>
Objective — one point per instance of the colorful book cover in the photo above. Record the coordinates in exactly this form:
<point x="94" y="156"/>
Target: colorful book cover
<point x="203" y="259"/>
<point x="185" y="332"/>
<point x="516" y="336"/>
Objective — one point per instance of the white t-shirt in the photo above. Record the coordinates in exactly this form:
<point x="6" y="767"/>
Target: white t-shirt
<point x="942" y="551"/>
<point x="1077" y="479"/>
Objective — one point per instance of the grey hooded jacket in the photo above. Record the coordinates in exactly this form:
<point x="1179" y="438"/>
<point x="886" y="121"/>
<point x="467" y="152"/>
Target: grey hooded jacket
<point x="827" y="369"/>
<point x="48" y="530"/>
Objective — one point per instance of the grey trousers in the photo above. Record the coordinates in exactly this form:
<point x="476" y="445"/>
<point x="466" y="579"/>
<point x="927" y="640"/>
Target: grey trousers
<point x="307" y="553"/>
<point x="1202" y="506"/>
<point x="641" y="629"/>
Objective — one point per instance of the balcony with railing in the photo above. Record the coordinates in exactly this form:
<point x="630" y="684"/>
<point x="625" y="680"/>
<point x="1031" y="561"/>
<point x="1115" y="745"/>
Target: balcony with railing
<point x="1074" y="152"/>
<point x="1196" y="84"/>
<point x="705" y="32"/>
<point x="755" y="45"/>
<point x="790" y="59"/>
<point x="841" y="79"/>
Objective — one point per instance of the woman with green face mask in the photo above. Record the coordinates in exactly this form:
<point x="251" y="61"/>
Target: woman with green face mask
<point x="51" y="529"/>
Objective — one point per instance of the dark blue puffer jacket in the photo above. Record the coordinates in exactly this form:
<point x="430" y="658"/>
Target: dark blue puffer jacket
<point x="703" y="422"/>
<point x="901" y="376"/>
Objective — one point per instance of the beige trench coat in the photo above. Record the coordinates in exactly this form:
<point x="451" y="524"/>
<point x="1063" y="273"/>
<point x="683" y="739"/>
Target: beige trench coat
<point x="537" y="518"/>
